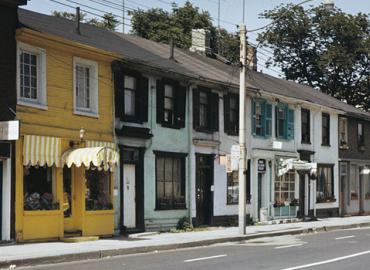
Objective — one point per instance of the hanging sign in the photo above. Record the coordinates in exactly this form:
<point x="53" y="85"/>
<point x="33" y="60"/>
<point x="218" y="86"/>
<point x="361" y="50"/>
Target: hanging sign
<point x="9" y="130"/>
<point x="261" y="165"/>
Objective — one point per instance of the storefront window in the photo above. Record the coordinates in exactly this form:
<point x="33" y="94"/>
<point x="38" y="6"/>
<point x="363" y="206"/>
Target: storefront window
<point x="366" y="180"/>
<point x="354" y="181"/>
<point x="284" y="188"/>
<point x="232" y="187"/>
<point x="39" y="188"/>
<point x="98" y="190"/>
<point x="325" y="188"/>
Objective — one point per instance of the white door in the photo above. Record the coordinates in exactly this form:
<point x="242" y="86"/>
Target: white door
<point x="129" y="209"/>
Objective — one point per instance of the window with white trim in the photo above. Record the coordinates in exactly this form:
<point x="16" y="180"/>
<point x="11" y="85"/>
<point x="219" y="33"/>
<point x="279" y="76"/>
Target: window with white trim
<point x="85" y="83"/>
<point x="31" y="80"/>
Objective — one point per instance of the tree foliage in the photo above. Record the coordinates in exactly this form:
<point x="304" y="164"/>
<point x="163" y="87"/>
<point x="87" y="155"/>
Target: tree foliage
<point x="327" y="50"/>
<point x="108" y="20"/>
<point x="159" y="25"/>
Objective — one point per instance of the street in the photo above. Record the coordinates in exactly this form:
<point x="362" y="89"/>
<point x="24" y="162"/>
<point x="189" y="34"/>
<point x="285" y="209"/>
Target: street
<point x="329" y="250"/>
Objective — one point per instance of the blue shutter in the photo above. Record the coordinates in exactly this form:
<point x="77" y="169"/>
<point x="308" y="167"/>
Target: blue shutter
<point x="253" y="117"/>
<point x="268" y="120"/>
<point x="290" y="125"/>
<point x="263" y="117"/>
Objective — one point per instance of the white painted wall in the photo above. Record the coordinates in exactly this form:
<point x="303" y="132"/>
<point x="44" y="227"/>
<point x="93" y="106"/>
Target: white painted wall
<point x="6" y="199"/>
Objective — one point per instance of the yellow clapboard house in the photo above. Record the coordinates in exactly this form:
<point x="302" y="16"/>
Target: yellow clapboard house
<point x="65" y="157"/>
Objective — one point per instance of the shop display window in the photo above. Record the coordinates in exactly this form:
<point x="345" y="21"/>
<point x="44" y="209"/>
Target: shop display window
<point x="98" y="190"/>
<point x="39" y="188"/>
<point x="232" y="187"/>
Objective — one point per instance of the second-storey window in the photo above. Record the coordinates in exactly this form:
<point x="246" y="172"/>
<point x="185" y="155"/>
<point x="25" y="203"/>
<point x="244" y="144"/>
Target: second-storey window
<point x="31" y="75"/>
<point x="168" y="104"/>
<point x="305" y="127"/>
<point x="360" y="134"/>
<point x="85" y="87"/>
<point x="343" y="133"/>
<point x="205" y="110"/>
<point x="325" y="130"/>
<point x="130" y="92"/>
<point x="231" y="114"/>
<point x="261" y="118"/>
<point x="171" y="101"/>
<point x="284" y="122"/>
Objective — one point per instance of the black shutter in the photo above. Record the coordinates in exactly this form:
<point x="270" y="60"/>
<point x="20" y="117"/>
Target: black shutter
<point x="227" y="114"/>
<point x="119" y="93"/>
<point x="160" y="101"/>
<point x="141" y="99"/>
<point x="195" y="108"/>
<point x="213" y="109"/>
<point x="180" y="106"/>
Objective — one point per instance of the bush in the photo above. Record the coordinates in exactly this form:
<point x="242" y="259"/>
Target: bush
<point x="184" y="224"/>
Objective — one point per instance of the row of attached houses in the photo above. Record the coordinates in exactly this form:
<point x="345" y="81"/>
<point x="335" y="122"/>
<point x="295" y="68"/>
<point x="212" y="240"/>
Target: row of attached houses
<point x="118" y="133"/>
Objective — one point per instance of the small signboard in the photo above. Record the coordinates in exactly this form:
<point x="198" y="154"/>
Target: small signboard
<point x="261" y="165"/>
<point x="9" y="130"/>
<point x="235" y="156"/>
<point x="277" y="145"/>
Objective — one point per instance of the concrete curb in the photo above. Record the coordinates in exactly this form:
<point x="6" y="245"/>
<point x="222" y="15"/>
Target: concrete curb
<point x="145" y="249"/>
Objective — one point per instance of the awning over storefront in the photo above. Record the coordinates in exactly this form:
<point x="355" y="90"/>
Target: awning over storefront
<point x="41" y="150"/>
<point x="102" y="157"/>
<point x="285" y="165"/>
<point x="90" y="143"/>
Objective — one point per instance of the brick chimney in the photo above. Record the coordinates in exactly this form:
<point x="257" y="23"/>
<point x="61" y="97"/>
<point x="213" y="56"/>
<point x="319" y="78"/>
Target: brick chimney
<point x="200" y="41"/>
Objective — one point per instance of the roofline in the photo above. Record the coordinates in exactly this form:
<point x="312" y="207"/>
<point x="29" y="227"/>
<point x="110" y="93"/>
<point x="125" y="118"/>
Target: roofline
<point x="32" y="33"/>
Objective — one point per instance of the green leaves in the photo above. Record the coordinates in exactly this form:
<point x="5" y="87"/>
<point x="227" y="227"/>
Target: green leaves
<point x="328" y="50"/>
<point x="108" y="21"/>
<point x="159" y="25"/>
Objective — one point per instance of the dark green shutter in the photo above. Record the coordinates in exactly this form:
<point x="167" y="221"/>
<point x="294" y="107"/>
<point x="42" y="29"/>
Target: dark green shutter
<point x="213" y="117"/>
<point x="195" y="108"/>
<point x="227" y="114"/>
<point x="160" y="101"/>
<point x="141" y="99"/>
<point x="180" y="106"/>
<point x="253" y="117"/>
<point x="119" y="93"/>
<point x="263" y="117"/>
<point x="268" y="120"/>
<point x="290" y="125"/>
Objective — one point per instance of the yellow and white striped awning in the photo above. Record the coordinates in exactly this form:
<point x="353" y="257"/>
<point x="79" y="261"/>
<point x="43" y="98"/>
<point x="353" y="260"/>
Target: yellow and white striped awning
<point x="90" y="143"/>
<point x="103" y="157"/>
<point x="41" y="150"/>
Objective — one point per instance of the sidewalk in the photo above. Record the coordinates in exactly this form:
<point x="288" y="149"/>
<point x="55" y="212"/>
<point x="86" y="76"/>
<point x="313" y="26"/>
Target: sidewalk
<point x="39" y="253"/>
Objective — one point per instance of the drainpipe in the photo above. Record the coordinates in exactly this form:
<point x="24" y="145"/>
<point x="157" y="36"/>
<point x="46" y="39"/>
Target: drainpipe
<point x="190" y="154"/>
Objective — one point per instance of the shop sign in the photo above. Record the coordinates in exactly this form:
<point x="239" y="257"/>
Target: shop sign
<point x="234" y="157"/>
<point x="9" y="130"/>
<point x="261" y="165"/>
<point x="277" y="145"/>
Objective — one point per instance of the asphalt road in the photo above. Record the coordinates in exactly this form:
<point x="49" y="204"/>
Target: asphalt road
<point x="346" y="249"/>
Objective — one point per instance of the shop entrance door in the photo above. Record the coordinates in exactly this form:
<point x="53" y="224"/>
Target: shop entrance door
<point x="1" y="199"/>
<point x="69" y="205"/>
<point x="204" y="196"/>
<point x="129" y="196"/>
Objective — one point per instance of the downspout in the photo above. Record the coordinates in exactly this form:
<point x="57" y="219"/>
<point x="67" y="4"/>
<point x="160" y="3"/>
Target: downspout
<point x="190" y="176"/>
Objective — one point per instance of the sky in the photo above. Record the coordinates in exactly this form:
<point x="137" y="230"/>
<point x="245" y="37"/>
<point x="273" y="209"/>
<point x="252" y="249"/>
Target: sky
<point x="231" y="13"/>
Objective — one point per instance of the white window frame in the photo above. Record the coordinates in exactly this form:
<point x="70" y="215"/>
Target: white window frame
<point x="93" y="111"/>
<point x="41" y="101"/>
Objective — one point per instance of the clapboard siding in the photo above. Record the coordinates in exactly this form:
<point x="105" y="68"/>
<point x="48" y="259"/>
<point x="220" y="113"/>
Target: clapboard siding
<point x="59" y="119"/>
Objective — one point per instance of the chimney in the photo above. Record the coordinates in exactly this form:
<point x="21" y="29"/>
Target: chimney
<point x="200" y="41"/>
<point x="78" y="19"/>
<point x="252" y="58"/>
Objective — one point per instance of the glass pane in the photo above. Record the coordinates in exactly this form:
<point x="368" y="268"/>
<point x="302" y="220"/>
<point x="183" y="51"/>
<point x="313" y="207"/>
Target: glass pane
<point x="160" y="169"/>
<point x="130" y="83"/>
<point x="168" y="91"/>
<point x="98" y="194"/>
<point x="203" y="98"/>
<point x="129" y="102"/>
<point x="168" y="103"/>
<point x="39" y="189"/>
<point x="168" y="170"/>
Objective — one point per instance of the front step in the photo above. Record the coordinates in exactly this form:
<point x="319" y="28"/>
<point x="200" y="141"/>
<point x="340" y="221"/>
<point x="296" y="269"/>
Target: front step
<point x="79" y="239"/>
<point x="69" y="234"/>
